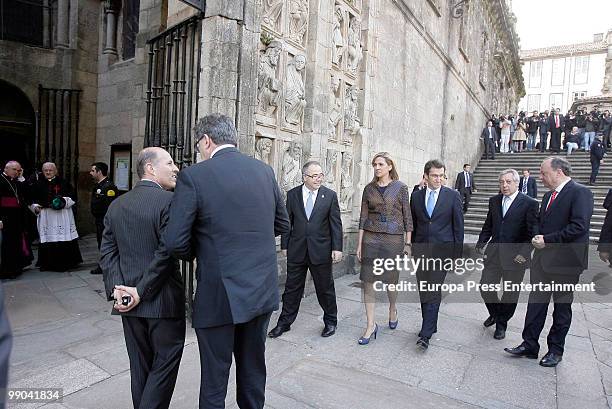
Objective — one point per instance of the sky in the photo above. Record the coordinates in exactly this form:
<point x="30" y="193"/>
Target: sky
<point x="544" y="23"/>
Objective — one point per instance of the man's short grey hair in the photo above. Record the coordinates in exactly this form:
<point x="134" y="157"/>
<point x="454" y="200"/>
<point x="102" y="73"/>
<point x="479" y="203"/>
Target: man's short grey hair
<point x="219" y="128"/>
<point x="147" y="155"/>
<point x="309" y="164"/>
<point x="515" y="175"/>
<point x="557" y="163"/>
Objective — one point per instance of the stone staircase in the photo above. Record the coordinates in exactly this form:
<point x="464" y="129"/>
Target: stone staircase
<point x="486" y="179"/>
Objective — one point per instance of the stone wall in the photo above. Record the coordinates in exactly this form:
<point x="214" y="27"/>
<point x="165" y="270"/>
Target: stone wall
<point x="68" y="65"/>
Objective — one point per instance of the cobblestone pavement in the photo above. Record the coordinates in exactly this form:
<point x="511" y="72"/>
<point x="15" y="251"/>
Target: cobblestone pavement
<point x="65" y="337"/>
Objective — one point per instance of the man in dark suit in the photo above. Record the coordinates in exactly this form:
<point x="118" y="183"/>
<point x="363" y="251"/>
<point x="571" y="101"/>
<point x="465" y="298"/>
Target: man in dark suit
<point x="6" y="345"/>
<point x="438" y="234"/>
<point x="508" y="230"/>
<point x="489" y="136"/>
<point x="314" y="242"/>
<point x="556" y="124"/>
<point x="465" y="185"/>
<point x="605" y="236"/>
<point x="227" y="211"/>
<point x="528" y="185"/>
<point x="135" y="264"/>
<point x="103" y="194"/>
<point x="597" y="155"/>
<point x="561" y="255"/>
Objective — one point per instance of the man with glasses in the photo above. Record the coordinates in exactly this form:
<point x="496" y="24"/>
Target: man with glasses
<point x="313" y="243"/>
<point x="226" y="213"/>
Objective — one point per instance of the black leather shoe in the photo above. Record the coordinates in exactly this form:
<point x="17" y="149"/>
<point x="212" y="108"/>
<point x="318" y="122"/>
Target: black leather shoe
<point x="489" y="321"/>
<point x="521" y="350"/>
<point x="328" y="331"/>
<point x="422" y="343"/>
<point x="96" y="271"/>
<point x="278" y="331"/>
<point x="500" y="333"/>
<point x="550" y="360"/>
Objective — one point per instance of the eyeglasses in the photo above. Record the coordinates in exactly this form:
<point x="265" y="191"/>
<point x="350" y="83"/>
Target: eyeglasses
<point x="316" y="176"/>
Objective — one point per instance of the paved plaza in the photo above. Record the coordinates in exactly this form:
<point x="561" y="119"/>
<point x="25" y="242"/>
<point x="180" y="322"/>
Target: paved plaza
<point x="65" y="337"/>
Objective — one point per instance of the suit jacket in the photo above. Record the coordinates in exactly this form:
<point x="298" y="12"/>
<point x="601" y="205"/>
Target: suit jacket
<point x="460" y="182"/>
<point x="510" y="235"/>
<point x="551" y="123"/>
<point x="605" y="236"/>
<point x="442" y="233"/>
<point x="565" y="227"/>
<point x="226" y="213"/>
<point x="485" y="133"/>
<point x="532" y="186"/>
<point x="132" y="254"/>
<point x="318" y="235"/>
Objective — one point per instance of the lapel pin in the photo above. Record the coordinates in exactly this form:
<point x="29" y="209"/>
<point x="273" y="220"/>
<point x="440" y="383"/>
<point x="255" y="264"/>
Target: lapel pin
<point x="322" y="196"/>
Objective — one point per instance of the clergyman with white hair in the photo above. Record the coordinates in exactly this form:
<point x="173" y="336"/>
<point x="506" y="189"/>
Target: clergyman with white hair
<point x="52" y="202"/>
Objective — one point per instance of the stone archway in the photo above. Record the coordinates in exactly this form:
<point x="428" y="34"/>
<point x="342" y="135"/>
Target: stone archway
<point x="17" y="126"/>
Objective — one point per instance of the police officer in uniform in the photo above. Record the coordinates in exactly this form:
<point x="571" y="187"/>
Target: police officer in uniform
<point x="104" y="192"/>
<point x="598" y="151"/>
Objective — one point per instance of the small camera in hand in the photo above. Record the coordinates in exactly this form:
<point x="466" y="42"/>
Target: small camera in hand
<point x="125" y="300"/>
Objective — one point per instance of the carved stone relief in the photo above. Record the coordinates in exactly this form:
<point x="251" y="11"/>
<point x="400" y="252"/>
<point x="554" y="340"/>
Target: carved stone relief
<point x="354" y="49"/>
<point x="291" y="172"/>
<point x="337" y="37"/>
<point x="352" y="123"/>
<point x="295" y="91"/>
<point x="298" y="20"/>
<point x="271" y="13"/>
<point x="263" y="149"/>
<point x="331" y="163"/>
<point x="346" y="182"/>
<point x="335" y="108"/>
<point x="268" y="85"/>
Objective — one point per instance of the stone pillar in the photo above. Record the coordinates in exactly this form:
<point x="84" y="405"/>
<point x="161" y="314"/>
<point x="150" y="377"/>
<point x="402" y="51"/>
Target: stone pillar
<point x="63" y="24"/>
<point x="607" y="85"/>
<point x="110" y="16"/>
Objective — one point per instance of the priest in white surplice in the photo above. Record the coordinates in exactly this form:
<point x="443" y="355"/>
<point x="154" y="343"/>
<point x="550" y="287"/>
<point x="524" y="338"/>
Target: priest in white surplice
<point x="52" y="202"/>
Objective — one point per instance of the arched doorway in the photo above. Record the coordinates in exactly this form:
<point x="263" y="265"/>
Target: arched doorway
<point x="17" y="126"/>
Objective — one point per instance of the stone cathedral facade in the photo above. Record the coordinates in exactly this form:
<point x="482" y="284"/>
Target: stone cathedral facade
<point x="328" y="80"/>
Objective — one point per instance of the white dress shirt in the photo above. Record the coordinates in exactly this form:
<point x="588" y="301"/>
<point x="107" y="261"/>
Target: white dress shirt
<point x="305" y="191"/>
<point x="558" y="190"/>
<point x="466" y="176"/>
<point x="509" y="200"/>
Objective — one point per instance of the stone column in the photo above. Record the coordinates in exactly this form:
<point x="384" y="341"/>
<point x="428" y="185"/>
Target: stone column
<point x="63" y="24"/>
<point x="607" y="86"/>
<point x="110" y="15"/>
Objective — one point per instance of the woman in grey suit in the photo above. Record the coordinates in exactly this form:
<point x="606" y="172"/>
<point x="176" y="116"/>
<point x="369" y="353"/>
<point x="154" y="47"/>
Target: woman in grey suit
<point x="385" y="227"/>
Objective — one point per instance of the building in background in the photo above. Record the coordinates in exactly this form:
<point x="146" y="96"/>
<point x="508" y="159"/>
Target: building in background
<point x="328" y="80"/>
<point x="556" y="77"/>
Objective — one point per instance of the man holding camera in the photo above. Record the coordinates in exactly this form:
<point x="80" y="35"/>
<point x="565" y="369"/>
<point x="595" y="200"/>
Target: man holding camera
<point x="145" y="281"/>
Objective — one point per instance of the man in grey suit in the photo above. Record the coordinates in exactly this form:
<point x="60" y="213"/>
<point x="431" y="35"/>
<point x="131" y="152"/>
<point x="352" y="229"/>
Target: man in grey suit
<point x="226" y="212"/>
<point x="136" y="264"/>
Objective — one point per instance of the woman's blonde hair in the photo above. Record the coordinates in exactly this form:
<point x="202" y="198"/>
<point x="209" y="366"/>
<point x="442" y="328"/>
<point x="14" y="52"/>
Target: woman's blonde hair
<point x="387" y="157"/>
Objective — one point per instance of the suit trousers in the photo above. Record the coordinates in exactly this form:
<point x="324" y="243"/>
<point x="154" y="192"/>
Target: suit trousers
<point x="155" y="348"/>
<point x="99" y="229"/>
<point x="466" y="195"/>
<point x="555" y="140"/>
<point x="247" y="342"/>
<point x="294" y="290"/>
<point x="502" y="309"/>
<point x="538" y="308"/>
<point x="489" y="147"/>
<point x="595" y="164"/>
<point x="430" y="297"/>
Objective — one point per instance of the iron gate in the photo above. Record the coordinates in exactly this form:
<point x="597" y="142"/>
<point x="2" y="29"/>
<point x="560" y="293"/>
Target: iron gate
<point x="172" y="102"/>
<point x="57" y="136"/>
